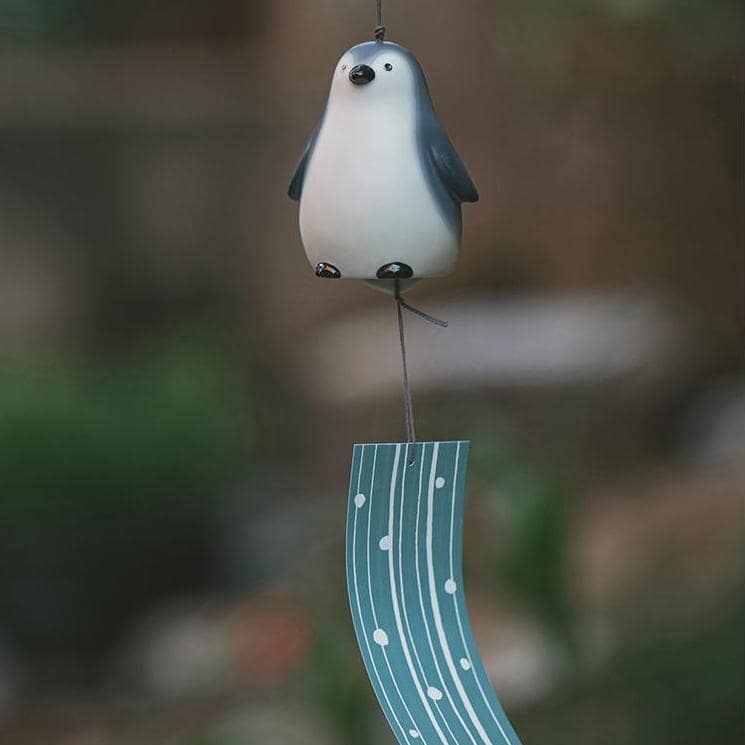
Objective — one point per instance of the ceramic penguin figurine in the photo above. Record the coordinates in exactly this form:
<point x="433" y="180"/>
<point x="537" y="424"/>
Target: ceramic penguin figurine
<point x="380" y="184"/>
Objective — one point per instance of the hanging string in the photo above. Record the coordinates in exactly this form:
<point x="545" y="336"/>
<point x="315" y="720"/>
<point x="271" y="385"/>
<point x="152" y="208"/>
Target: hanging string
<point x="379" y="32"/>
<point x="408" y="406"/>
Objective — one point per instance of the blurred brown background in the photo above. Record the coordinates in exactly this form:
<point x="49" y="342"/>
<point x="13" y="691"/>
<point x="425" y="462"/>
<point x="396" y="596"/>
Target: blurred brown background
<point x="179" y="394"/>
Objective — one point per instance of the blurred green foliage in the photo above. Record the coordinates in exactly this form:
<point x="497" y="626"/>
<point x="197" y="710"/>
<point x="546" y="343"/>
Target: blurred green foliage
<point x="534" y="502"/>
<point x="92" y="436"/>
<point x="108" y="475"/>
<point x="682" y="688"/>
<point x="209" y="738"/>
<point x="336" y="683"/>
<point x="45" y="22"/>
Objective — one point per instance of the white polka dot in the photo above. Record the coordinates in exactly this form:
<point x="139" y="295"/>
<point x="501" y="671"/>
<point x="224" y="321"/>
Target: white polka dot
<point x="413" y="733"/>
<point x="434" y="693"/>
<point x="465" y="664"/>
<point x="385" y="543"/>
<point x="450" y="587"/>
<point x="380" y="637"/>
<point x="359" y="500"/>
<point x="439" y="482"/>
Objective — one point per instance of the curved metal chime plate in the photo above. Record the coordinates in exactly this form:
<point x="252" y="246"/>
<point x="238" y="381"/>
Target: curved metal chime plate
<point x="404" y="549"/>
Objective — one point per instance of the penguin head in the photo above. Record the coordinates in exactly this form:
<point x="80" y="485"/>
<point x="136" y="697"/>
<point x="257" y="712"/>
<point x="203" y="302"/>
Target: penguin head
<point x="376" y="72"/>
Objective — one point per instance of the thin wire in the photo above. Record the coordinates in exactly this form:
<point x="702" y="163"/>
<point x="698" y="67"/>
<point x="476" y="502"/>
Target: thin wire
<point x="379" y="32"/>
<point x="408" y="406"/>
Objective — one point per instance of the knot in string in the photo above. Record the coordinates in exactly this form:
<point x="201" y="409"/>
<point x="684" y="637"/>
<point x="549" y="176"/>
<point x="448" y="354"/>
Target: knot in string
<point x="379" y="32"/>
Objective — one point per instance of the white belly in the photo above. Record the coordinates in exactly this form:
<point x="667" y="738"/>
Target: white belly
<point x="366" y="201"/>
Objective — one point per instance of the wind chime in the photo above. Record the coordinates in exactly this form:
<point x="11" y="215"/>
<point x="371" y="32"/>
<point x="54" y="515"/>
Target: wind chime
<point x="380" y="188"/>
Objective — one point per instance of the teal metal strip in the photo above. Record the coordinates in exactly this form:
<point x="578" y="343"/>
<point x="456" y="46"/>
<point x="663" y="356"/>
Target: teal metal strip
<point x="404" y="551"/>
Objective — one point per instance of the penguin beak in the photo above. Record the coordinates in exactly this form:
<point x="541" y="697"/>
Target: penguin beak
<point x="361" y="74"/>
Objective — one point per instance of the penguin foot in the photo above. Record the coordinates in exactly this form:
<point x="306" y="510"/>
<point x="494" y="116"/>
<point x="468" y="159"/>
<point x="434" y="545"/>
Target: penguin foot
<point x="327" y="271"/>
<point x="395" y="270"/>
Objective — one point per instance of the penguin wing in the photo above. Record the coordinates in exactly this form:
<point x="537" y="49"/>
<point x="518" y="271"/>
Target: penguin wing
<point x="449" y="167"/>
<point x="295" y="189"/>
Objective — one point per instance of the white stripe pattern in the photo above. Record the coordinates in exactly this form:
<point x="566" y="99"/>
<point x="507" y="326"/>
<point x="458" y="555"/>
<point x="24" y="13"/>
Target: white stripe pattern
<point x="410" y="668"/>
<point x="359" y="608"/>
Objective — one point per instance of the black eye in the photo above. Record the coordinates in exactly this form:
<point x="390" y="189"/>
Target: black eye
<point x="343" y="67"/>
<point x="388" y="66"/>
